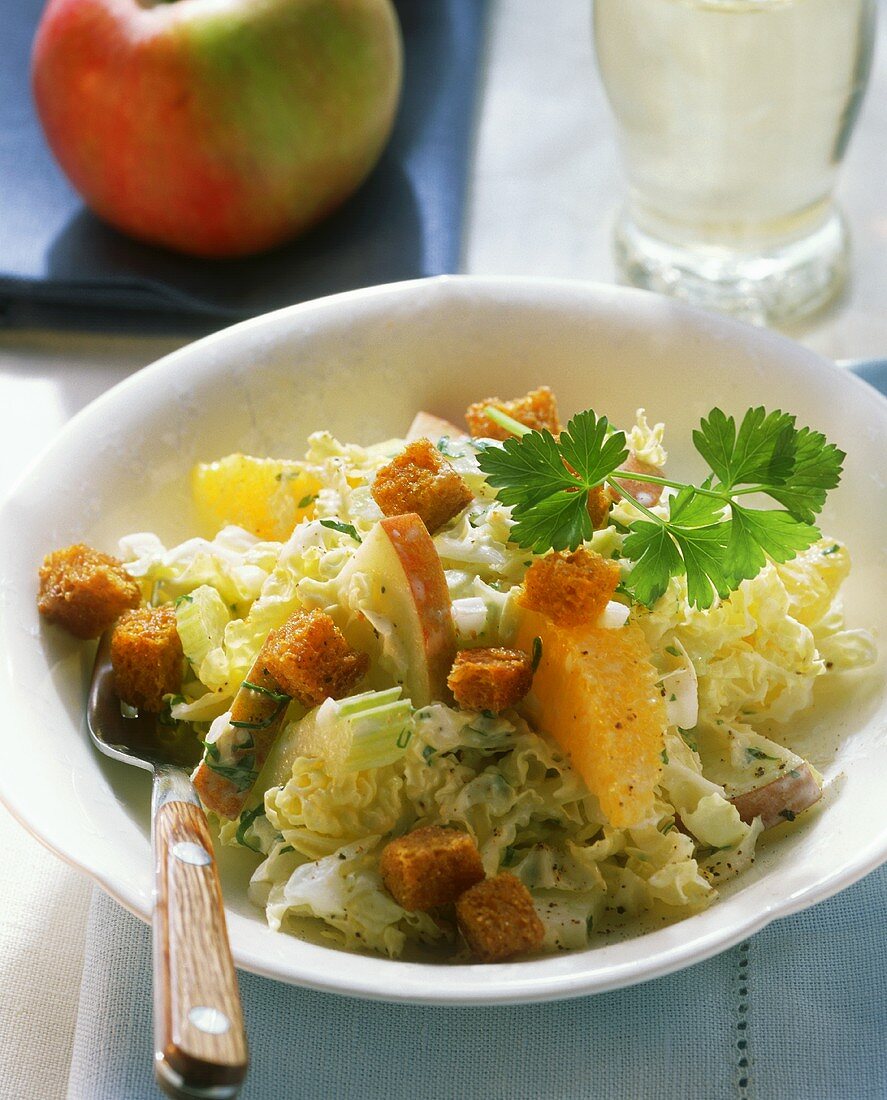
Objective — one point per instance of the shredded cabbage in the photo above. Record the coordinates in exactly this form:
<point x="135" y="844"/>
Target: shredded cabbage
<point x="756" y="655"/>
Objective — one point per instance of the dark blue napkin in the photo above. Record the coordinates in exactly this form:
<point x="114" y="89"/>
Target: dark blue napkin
<point x="59" y="264"/>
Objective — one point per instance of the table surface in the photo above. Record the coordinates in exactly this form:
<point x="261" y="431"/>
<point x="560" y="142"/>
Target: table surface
<point x="544" y="188"/>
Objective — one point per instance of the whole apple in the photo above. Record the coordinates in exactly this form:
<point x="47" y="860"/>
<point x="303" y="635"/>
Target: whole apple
<point x="216" y="127"/>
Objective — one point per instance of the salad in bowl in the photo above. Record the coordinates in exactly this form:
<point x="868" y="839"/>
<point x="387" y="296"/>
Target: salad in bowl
<point x="488" y="691"/>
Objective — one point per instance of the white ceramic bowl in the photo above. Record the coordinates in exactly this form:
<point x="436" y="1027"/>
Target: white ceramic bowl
<point x="361" y="364"/>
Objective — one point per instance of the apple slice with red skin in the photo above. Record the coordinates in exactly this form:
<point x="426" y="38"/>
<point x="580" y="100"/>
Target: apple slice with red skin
<point x="647" y="493"/>
<point x="781" y="799"/>
<point x="405" y="597"/>
<point x="225" y="788"/>
<point x="426" y="425"/>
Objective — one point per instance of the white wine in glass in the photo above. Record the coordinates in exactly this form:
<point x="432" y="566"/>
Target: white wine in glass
<point x="733" y="117"/>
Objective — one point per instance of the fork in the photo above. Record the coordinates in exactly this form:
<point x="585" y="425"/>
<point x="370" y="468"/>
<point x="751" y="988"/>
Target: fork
<point x="200" y="1049"/>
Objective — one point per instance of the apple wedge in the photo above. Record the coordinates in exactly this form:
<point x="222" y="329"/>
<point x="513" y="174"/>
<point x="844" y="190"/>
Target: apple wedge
<point x="644" y="491"/>
<point x="396" y="596"/>
<point x="782" y="799"/>
<point x="426" y="425"/>
<point x="239" y="742"/>
<point x="782" y="786"/>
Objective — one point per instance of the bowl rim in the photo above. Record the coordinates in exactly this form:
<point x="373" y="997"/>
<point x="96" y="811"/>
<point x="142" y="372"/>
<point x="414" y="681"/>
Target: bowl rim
<point x="407" y="982"/>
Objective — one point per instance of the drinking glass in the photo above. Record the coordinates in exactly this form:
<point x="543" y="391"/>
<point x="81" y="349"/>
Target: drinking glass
<point x="733" y="117"/>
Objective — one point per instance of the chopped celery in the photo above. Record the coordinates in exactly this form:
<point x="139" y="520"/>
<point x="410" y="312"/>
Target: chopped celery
<point x="363" y="731"/>
<point x="356" y="704"/>
<point x="201" y="620"/>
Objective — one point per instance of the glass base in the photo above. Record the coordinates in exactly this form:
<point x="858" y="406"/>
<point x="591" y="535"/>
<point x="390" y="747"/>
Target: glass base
<point x="783" y="283"/>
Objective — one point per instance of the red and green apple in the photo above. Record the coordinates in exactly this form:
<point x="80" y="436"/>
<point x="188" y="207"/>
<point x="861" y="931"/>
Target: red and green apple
<point x="216" y="127"/>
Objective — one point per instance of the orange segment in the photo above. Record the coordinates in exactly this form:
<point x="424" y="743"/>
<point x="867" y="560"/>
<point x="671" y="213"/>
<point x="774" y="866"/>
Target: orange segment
<point x="595" y="693"/>
<point x="266" y="496"/>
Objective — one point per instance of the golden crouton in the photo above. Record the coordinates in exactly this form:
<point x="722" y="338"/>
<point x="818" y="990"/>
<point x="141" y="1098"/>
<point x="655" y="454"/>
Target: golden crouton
<point x="421" y="480"/>
<point x="538" y="410"/>
<point x="146" y="655"/>
<point x="84" y="590"/>
<point x="498" y="919"/>
<point x="430" y="866"/>
<point x="309" y="659"/>
<point x="570" y="589"/>
<point x="599" y="503"/>
<point x="490" y="679"/>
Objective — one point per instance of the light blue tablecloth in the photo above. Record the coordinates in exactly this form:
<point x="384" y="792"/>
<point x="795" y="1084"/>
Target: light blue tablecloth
<point x="799" y="1012"/>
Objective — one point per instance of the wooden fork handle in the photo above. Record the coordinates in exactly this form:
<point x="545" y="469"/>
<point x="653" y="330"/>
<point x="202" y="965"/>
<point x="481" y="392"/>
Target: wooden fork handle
<point x="200" y="1048"/>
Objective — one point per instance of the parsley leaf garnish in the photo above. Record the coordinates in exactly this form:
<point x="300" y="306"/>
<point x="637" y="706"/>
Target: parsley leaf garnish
<point x="710" y="534"/>
<point x="761" y="451"/>
<point x="547" y="480"/>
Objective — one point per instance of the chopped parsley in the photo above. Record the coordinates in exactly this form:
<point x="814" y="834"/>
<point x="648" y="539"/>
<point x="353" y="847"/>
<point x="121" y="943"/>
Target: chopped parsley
<point x="241" y="775"/>
<point x="247" y="817"/>
<point x="211" y="750"/>
<point x="342" y="528"/>
<point x="165" y="717"/>
<point x="483" y="445"/>
<point x="277" y="696"/>
<point x="262" y="723"/>
<point x="445" y="448"/>
<point x="752" y="753"/>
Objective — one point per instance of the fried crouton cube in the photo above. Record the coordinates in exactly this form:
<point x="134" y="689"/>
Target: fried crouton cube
<point x="599" y="504"/>
<point x="498" y="919"/>
<point x="84" y="590"/>
<point x="570" y="588"/>
<point x="490" y="679"/>
<point x="430" y="866"/>
<point x="310" y="660"/>
<point x="421" y="480"/>
<point x="537" y="410"/>
<point x="146" y="655"/>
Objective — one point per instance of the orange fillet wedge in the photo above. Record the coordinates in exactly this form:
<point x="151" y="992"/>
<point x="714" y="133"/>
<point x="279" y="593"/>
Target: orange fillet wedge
<point x="595" y="694"/>
<point x="265" y="496"/>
